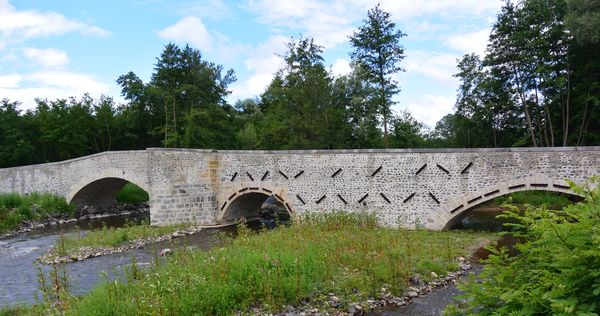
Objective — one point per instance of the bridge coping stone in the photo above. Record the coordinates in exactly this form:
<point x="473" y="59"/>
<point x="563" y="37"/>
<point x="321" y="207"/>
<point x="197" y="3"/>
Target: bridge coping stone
<point x="390" y="150"/>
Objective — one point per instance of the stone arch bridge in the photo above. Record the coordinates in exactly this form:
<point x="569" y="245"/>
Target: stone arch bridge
<point x="432" y="188"/>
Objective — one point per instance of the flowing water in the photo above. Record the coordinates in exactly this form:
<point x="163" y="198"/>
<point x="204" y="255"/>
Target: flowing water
<point x="19" y="275"/>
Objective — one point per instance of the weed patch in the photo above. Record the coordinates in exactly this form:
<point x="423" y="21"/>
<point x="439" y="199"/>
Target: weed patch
<point x="347" y="254"/>
<point x="16" y="209"/>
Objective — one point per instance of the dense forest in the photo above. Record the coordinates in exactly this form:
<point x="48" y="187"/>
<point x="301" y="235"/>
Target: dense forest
<point x="537" y="85"/>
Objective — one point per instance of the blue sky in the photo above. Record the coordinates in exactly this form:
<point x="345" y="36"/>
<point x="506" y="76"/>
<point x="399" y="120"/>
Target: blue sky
<point x="56" y="49"/>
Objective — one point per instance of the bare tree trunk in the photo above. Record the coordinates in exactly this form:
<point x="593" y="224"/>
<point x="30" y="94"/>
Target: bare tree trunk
<point x="585" y="109"/>
<point x="588" y="121"/>
<point x="109" y="137"/>
<point x="166" y="124"/>
<point x="568" y="105"/>
<point x="547" y="112"/>
<point x="384" y="107"/>
<point x="524" y="102"/>
<point x="175" y="121"/>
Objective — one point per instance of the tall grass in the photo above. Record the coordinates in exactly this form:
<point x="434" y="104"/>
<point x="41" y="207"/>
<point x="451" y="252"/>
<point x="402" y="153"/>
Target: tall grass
<point x="347" y="254"/>
<point x="112" y="237"/>
<point x="131" y="193"/>
<point x="16" y="208"/>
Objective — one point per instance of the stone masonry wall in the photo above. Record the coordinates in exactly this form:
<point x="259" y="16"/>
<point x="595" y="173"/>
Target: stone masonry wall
<point x="426" y="188"/>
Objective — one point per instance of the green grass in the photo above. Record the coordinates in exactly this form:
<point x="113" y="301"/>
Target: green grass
<point x="113" y="237"/>
<point x="16" y="208"/>
<point x="131" y="193"/>
<point x="533" y="198"/>
<point x="339" y="252"/>
<point x="16" y="310"/>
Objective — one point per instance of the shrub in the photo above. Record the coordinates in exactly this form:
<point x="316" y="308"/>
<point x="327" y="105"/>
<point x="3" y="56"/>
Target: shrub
<point x="131" y="193"/>
<point x="534" y="198"/>
<point x="557" y="271"/>
<point x="15" y="208"/>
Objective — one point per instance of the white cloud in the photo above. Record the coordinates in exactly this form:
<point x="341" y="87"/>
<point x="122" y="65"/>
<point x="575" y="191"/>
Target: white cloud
<point x="189" y="29"/>
<point x="19" y="25"/>
<point x="474" y="42"/>
<point x="49" y="57"/>
<point x="429" y="109"/>
<point x="436" y="65"/>
<point x="341" y="67"/>
<point x="10" y="81"/>
<point x="51" y="85"/>
<point x="263" y="62"/>
<point x="455" y="9"/>
<point x="213" y="9"/>
<point x="330" y="22"/>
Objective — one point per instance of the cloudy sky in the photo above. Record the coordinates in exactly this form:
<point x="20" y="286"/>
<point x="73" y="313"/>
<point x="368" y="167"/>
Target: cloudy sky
<point x="61" y="48"/>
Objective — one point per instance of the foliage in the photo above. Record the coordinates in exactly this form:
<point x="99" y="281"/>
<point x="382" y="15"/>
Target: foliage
<point x="335" y="252"/>
<point x="538" y="82"/>
<point x="583" y="19"/>
<point x="557" y="271"/>
<point x="131" y="193"/>
<point x="16" y="209"/>
<point x="183" y="87"/>
<point x="297" y="110"/>
<point x="406" y="131"/>
<point x="548" y="199"/>
<point x="378" y="51"/>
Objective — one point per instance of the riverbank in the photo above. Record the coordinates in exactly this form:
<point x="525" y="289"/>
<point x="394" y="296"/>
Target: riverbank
<point x="108" y="241"/>
<point x="20" y="213"/>
<point x="336" y="263"/>
<point x="58" y="219"/>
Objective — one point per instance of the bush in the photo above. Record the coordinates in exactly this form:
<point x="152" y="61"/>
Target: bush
<point x="534" y="198"/>
<point x="131" y="193"/>
<point x="557" y="271"/>
<point x="15" y="208"/>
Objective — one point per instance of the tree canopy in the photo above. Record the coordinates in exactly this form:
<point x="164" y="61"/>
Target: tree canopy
<point x="538" y="84"/>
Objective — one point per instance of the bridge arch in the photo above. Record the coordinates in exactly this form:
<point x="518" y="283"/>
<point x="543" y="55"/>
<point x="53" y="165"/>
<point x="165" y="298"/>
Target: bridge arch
<point x="247" y="201"/>
<point x="461" y="207"/>
<point x="101" y="189"/>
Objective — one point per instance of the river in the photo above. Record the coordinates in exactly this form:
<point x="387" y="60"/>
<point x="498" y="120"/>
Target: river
<point x="19" y="275"/>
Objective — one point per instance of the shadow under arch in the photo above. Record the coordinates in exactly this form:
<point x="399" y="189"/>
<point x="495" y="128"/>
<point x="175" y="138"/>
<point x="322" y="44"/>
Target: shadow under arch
<point x="247" y="203"/>
<point x="461" y="210"/>
<point x="100" y="192"/>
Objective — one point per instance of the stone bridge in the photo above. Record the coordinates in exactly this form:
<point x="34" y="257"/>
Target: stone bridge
<point x="431" y="188"/>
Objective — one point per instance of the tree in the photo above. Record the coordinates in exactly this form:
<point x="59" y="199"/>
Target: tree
<point x="15" y="143"/>
<point x="378" y="50"/>
<point x="182" y="83"/>
<point x="583" y="19"/>
<point x="406" y="131"/>
<point x="355" y="95"/>
<point x="297" y="105"/>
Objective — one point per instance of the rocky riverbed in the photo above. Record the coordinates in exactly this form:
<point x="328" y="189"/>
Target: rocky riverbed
<point x="51" y="257"/>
